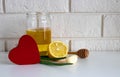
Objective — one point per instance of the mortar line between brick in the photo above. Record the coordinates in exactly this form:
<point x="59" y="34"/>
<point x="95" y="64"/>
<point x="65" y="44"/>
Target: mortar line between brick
<point x="69" y="6"/>
<point x="5" y="46"/>
<point x="102" y="26"/>
<point x="67" y="13"/>
<point x="4" y="9"/>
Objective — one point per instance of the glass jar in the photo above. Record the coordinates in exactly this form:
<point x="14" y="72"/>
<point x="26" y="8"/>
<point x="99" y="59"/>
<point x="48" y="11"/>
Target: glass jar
<point x="39" y="29"/>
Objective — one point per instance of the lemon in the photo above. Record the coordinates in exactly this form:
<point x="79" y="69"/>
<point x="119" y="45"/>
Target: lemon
<point x="57" y="49"/>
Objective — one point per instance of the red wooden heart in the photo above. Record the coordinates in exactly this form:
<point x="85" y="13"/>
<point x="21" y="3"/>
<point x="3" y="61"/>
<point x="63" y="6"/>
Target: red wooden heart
<point x="26" y="52"/>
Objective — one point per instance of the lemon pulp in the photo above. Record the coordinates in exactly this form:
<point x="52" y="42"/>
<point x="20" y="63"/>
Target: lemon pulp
<point x="57" y="49"/>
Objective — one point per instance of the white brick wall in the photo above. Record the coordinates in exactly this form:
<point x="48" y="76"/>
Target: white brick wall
<point x="92" y="24"/>
<point x="2" y="45"/>
<point x="76" y="25"/>
<point x="37" y="5"/>
<point x="12" y="25"/>
<point x="98" y="44"/>
<point x="112" y="25"/>
<point x="1" y="7"/>
<point x="11" y="43"/>
<point x="95" y="5"/>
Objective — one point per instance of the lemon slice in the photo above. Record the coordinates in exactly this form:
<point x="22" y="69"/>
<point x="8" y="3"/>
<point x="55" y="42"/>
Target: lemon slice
<point x="57" y="49"/>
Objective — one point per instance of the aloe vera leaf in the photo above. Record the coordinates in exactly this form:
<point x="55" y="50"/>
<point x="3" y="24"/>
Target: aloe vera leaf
<point x="47" y="62"/>
<point x="47" y="58"/>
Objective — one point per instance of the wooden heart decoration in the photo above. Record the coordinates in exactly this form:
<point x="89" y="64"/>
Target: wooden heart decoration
<point x="26" y="52"/>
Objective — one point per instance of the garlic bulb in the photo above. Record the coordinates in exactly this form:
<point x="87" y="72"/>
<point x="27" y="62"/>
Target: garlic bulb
<point x="72" y="59"/>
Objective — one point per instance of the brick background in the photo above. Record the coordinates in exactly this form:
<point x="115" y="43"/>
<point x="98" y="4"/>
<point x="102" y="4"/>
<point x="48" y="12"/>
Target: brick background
<point x="12" y="25"/>
<point x="99" y="44"/>
<point x="2" y="45"/>
<point x="37" y="5"/>
<point x="92" y="24"/>
<point x="112" y="25"/>
<point x="1" y="6"/>
<point x="95" y="6"/>
<point x="76" y="25"/>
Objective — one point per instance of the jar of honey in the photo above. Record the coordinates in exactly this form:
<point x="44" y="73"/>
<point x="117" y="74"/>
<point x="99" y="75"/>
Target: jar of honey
<point x="39" y="29"/>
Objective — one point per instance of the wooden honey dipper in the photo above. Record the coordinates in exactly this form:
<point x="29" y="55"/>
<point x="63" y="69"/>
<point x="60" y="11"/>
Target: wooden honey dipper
<point x="82" y="53"/>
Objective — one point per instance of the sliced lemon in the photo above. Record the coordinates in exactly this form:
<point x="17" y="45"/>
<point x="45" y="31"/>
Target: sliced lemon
<point x="57" y="49"/>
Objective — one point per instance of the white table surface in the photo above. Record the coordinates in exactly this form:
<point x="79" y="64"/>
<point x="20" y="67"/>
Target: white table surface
<point x="98" y="64"/>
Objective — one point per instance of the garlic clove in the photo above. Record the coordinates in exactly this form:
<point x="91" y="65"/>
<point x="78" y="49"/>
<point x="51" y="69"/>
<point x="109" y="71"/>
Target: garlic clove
<point x="72" y="59"/>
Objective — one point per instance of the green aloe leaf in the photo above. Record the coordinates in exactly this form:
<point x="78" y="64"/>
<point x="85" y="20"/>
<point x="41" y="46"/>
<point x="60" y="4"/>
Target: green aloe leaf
<point x="51" y="61"/>
<point x="46" y="62"/>
<point x="47" y="58"/>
